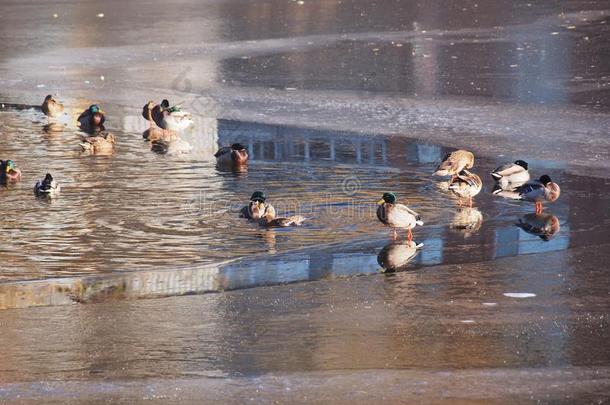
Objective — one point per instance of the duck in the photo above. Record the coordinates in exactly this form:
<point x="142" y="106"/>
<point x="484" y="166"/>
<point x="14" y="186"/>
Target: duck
<point x="257" y="207"/>
<point x="545" y="226"/>
<point x="466" y="185"/>
<point x="172" y="118"/>
<point x="8" y="171"/>
<point x="395" y="256"/>
<point x="397" y="215"/>
<point x="536" y="191"/>
<point x="512" y="173"/>
<point x="155" y="133"/>
<point x="92" y="119"/>
<point x="269" y="220"/>
<point x="51" y="107"/>
<point x="47" y="187"/>
<point x="153" y="113"/>
<point x="235" y="154"/>
<point x="453" y="163"/>
<point x="101" y="143"/>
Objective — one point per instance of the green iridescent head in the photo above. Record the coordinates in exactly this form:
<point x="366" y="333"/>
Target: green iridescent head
<point x="258" y="196"/>
<point x="10" y="165"/>
<point x="389" y="198"/>
<point x="94" y="108"/>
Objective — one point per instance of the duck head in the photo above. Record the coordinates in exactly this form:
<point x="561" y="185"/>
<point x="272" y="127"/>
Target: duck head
<point x="521" y="163"/>
<point x="389" y="198"/>
<point x="10" y="166"/>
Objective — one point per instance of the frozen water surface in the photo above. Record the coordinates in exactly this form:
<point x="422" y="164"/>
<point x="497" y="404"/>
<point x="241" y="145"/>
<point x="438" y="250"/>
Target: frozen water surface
<point x="337" y="102"/>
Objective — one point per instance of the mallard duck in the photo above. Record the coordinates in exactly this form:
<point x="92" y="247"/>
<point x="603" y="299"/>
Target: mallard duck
<point x="511" y="173"/>
<point x="257" y="207"/>
<point x="545" y="226"/>
<point x="47" y="187"/>
<point x="155" y="133"/>
<point x="536" y="191"/>
<point x="397" y="255"/>
<point x="8" y="171"/>
<point x="454" y="162"/>
<point x="235" y="154"/>
<point x="397" y="215"/>
<point x="153" y="113"/>
<point x="51" y="107"/>
<point x="466" y="185"/>
<point x="92" y="118"/>
<point x="172" y="118"/>
<point x="102" y="143"/>
<point x="269" y="220"/>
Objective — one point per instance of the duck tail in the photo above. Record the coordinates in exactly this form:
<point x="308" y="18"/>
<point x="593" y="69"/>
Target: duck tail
<point x="441" y="172"/>
<point x="419" y="223"/>
<point x="496" y="176"/>
<point x="85" y="146"/>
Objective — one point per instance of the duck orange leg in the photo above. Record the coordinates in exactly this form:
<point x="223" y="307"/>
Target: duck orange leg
<point x="538" y="207"/>
<point x="409" y="235"/>
<point x="394" y="234"/>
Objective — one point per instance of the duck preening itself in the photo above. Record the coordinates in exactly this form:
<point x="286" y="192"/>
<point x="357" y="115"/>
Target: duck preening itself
<point x="47" y="186"/>
<point x="453" y="163"/>
<point x="235" y="154"/>
<point x="397" y="215"/>
<point x="8" y="171"/>
<point x="511" y="173"/>
<point x="162" y="115"/>
<point x="536" y="191"/>
<point x="51" y="107"/>
<point x="466" y="185"/>
<point x="257" y="207"/>
<point x="95" y="144"/>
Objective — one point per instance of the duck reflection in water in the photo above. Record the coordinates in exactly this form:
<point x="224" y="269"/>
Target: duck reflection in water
<point x="467" y="220"/>
<point x="543" y="225"/>
<point x="53" y="127"/>
<point x="397" y="255"/>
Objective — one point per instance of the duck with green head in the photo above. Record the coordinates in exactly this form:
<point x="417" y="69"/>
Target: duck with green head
<point x="396" y="215"/>
<point x="8" y="171"/>
<point x="92" y="119"/>
<point x="257" y="207"/>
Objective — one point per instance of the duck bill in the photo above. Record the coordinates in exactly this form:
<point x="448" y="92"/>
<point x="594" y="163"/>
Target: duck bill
<point x="380" y="202"/>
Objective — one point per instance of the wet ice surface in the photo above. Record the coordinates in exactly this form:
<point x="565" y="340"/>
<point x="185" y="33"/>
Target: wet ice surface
<point x="341" y="85"/>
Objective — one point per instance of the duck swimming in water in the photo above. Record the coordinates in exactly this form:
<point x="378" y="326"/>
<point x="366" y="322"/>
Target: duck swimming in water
<point x="92" y="119"/>
<point x="235" y="154"/>
<point x="8" y="171"/>
<point x="397" y="215"/>
<point x="153" y="113"/>
<point x="51" y="107"/>
<point x="47" y="187"/>
<point x="98" y="144"/>
<point x="257" y="207"/>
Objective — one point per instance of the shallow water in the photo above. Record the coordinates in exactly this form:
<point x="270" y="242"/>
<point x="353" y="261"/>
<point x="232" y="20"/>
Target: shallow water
<point x="138" y="210"/>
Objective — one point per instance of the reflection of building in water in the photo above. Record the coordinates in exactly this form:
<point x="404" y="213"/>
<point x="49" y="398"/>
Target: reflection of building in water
<point x="270" y="142"/>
